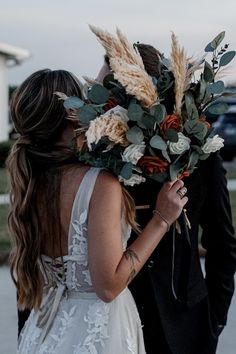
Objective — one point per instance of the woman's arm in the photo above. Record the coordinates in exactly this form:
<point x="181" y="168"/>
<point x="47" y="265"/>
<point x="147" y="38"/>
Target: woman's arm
<point x="111" y="268"/>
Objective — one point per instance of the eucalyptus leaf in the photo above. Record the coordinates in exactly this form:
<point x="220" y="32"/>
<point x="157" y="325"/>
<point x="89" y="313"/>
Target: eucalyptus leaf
<point x="126" y="171"/>
<point x="197" y="149"/>
<point x="149" y="121"/>
<point x="219" y="108"/>
<point x="159" y="112"/>
<point x="86" y="113"/>
<point x="215" y="42"/>
<point x="98" y="94"/>
<point x="201" y="90"/>
<point x="165" y="155"/>
<point x="135" y="112"/>
<point x="203" y="156"/>
<point x="191" y="108"/>
<point x="196" y="128"/>
<point x="208" y="73"/>
<point x="160" y="177"/>
<point x="73" y="103"/>
<point x="172" y="135"/>
<point x="226" y="58"/>
<point x="135" y="135"/>
<point x="158" y="143"/>
<point x="141" y="125"/>
<point x="216" y="87"/>
<point x="193" y="160"/>
<point x="175" y="169"/>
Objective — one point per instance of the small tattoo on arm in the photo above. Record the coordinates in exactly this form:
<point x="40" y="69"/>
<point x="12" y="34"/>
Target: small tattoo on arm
<point x="131" y="256"/>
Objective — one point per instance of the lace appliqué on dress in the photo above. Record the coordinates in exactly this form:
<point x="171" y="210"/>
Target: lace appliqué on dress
<point x="131" y="345"/>
<point x="66" y="322"/>
<point x="79" y="247"/>
<point x="97" y="319"/>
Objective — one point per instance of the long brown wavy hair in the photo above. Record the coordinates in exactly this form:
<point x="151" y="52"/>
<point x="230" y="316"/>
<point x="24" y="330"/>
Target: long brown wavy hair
<point x="35" y="165"/>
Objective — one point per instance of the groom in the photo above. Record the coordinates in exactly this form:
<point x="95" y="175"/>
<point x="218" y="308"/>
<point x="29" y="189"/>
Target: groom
<point x="182" y="311"/>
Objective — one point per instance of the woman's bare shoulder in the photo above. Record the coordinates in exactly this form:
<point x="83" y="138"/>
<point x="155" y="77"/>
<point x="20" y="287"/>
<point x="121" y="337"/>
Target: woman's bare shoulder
<point x="107" y="187"/>
<point x="106" y="181"/>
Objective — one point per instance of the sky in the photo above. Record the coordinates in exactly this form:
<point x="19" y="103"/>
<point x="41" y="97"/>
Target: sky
<point x="57" y="35"/>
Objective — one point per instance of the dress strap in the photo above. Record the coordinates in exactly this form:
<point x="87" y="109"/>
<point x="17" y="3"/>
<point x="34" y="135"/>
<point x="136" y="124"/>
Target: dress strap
<point x="82" y="200"/>
<point x="83" y="196"/>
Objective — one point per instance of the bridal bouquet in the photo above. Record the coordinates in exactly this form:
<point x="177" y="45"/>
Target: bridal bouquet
<point x="139" y="126"/>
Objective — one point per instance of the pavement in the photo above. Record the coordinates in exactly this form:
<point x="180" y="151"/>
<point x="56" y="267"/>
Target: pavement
<point x="8" y="319"/>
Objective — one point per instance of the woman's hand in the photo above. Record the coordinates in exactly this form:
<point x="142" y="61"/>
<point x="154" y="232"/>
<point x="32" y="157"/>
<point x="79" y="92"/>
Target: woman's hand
<point x="171" y="200"/>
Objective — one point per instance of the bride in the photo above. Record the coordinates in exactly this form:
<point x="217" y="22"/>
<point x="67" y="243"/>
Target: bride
<point x="70" y="224"/>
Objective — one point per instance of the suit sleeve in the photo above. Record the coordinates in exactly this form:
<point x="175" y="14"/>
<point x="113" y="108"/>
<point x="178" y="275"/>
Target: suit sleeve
<point x="219" y="240"/>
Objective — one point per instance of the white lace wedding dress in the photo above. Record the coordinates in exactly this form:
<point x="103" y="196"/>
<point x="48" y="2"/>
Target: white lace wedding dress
<point x="72" y="319"/>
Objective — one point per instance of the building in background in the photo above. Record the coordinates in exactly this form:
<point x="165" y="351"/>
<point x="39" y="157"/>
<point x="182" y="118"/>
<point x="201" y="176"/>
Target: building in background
<point x="9" y="57"/>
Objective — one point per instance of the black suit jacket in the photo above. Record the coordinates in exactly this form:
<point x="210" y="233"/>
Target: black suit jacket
<point x="180" y="309"/>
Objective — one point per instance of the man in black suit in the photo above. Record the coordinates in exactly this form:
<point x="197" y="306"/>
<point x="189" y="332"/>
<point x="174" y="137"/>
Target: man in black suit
<point x="183" y="312"/>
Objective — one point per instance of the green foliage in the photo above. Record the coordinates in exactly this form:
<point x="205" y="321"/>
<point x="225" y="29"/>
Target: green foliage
<point x="196" y="129"/>
<point x="73" y="103"/>
<point x="126" y="171"/>
<point x="86" y="113"/>
<point x="172" y="135"/>
<point x="216" y="88"/>
<point x="98" y="94"/>
<point x="159" y="112"/>
<point x="191" y="108"/>
<point x="219" y="108"/>
<point x="135" y="135"/>
<point x="135" y="112"/>
<point x="158" y="143"/>
<point x="208" y="73"/>
<point x="215" y="42"/>
<point x="227" y="58"/>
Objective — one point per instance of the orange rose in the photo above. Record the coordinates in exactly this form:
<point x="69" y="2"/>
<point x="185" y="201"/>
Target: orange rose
<point x="111" y="103"/>
<point x="183" y="175"/>
<point x="171" y="121"/>
<point x="152" y="164"/>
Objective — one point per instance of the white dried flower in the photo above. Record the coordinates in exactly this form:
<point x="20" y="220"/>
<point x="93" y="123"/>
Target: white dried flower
<point x="180" y="146"/>
<point x="109" y="125"/>
<point x="213" y="144"/>
<point x="133" y="153"/>
<point x="134" y="179"/>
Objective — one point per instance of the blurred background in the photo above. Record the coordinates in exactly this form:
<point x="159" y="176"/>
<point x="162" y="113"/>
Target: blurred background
<point x="54" y="34"/>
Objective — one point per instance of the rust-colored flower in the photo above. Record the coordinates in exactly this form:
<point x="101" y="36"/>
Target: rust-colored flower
<point x="184" y="174"/>
<point x="111" y="103"/>
<point x="202" y="119"/>
<point x="171" y="121"/>
<point x="152" y="164"/>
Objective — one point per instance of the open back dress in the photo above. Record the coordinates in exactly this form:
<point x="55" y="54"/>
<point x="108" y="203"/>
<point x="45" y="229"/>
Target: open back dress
<point x="72" y="319"/>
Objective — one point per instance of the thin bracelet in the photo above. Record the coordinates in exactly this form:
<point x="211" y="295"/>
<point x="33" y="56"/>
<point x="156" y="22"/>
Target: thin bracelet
<point x="162" y="217"/>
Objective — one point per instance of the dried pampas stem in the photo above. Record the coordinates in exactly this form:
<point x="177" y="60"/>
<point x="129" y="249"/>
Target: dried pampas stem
<point x="135" y="80"/>
<point x="127" y="65"/>
<point x="179" y="68"/>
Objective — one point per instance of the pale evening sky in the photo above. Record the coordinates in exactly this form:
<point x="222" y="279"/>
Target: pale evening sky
<point x="57" y="35"/>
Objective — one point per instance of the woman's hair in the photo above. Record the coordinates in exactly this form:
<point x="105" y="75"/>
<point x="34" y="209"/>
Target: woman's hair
<point x="34" y="165"/>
